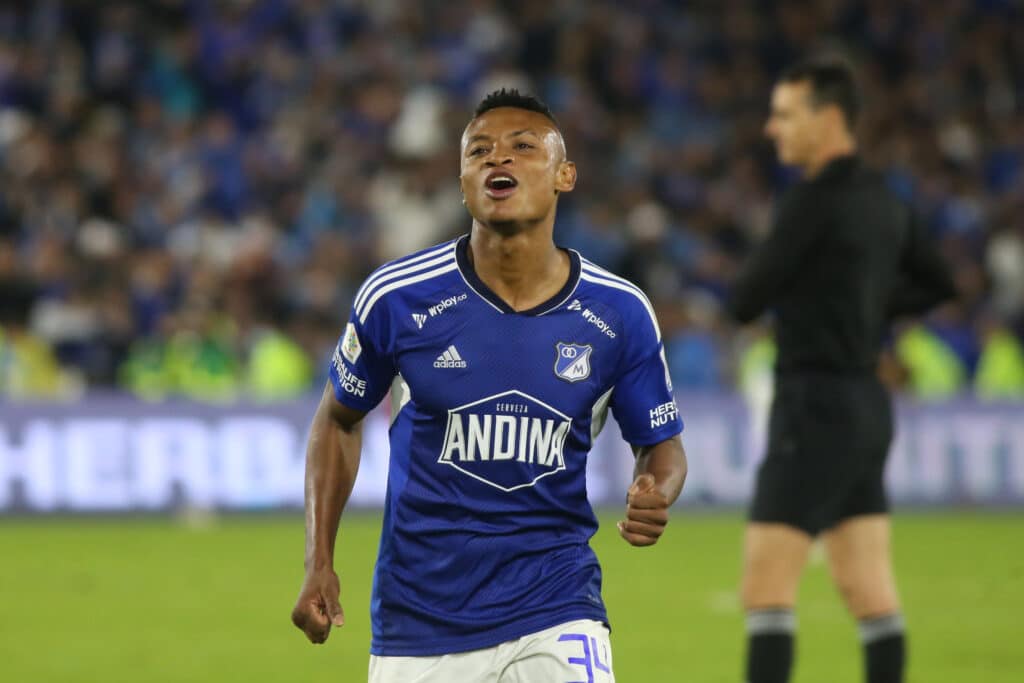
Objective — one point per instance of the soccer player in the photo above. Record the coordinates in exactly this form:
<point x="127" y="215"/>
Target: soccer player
<point x="843" y="256"/>
<point x="503" y="354"/>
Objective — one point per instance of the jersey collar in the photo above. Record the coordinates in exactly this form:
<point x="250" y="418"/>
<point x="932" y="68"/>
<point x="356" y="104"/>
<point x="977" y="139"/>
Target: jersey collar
<point x="485" y="293"/>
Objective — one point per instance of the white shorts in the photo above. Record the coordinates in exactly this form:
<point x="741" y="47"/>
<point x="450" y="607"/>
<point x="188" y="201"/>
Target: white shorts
<point x="577" y="652"/>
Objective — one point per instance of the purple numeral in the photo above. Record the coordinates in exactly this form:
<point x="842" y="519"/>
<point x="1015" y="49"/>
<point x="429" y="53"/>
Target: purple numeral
<point x="601" y="666"/>
<point x="581" y="661"/>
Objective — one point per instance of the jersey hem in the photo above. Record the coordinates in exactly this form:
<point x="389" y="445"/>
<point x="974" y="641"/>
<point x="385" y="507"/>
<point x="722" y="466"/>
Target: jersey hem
<point x="434" y="647"/>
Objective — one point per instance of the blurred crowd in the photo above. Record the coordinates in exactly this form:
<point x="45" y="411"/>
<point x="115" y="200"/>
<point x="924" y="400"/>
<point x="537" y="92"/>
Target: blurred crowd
<point x="191" y="192"/>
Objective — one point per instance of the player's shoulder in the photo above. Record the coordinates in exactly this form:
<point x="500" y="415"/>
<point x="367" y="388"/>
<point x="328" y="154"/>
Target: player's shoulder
<point x="620" y="294"/>
<point x="417" y="271"/>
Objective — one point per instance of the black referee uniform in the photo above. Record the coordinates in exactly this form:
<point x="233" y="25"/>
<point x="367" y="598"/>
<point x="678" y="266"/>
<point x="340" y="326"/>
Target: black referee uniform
<point x="844" y="256"/>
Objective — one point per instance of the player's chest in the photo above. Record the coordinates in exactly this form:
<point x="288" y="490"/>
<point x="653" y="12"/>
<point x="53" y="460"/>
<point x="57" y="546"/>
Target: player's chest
<point x="508" y="364"/>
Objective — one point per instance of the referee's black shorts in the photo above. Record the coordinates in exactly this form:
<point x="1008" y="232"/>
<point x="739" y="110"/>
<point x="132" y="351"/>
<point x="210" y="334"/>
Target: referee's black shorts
<point x="828" y="441"/>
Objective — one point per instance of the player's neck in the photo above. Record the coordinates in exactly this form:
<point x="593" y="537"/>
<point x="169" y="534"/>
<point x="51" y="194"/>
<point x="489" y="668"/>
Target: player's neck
<point x="524" y="268"/>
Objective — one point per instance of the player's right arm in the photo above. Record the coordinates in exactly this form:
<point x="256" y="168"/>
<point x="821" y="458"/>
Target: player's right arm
<point x="645" y="408"/>
<point x="360" y="374"/>
<point x="332" y="460"/>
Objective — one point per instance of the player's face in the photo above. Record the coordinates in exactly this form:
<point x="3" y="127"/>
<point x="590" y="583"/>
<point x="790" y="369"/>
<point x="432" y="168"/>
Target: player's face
<point x="513" y="167"/>
<point x="794" y="124"/>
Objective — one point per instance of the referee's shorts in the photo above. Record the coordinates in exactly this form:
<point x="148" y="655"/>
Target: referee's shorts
<point x="828" y="441"/>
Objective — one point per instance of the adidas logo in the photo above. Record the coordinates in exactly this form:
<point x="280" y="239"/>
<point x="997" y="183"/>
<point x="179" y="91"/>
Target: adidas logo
<point x="420" y="318"/>
<point x="450" y="359"/>
<point x="575" y="305"/>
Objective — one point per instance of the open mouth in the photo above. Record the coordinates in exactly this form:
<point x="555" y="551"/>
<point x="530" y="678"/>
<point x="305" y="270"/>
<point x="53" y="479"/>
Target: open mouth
<point x="500" y="184"/>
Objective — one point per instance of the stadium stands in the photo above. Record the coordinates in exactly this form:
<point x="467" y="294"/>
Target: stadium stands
<point x="186" y="186"/>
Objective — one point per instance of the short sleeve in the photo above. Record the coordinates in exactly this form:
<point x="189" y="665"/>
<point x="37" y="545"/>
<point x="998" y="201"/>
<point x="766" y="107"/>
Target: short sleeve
<point x="642" y="399"/>
<point x="361" y="368"/>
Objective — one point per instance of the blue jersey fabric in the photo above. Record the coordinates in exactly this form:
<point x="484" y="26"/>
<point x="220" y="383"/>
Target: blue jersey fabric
<point x="487" y="525"/>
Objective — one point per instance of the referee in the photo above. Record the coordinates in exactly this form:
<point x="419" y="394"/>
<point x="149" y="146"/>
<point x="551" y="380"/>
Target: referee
<point x="844" y="256"/>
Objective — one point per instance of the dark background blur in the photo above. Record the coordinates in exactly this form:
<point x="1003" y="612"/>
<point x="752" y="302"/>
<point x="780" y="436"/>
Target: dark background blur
<point x="191" y="192"/>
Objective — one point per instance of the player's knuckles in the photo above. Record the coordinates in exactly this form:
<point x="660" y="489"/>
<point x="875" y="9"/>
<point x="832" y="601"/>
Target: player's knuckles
<point x="645" y="541"/>
<point x="647" y="524"/>
<point x="648" y="501"/>
<point x="642" y="529"/>
<point x="648" y="516"/>
<point x="639" y="540"/>
<point x="300" y="617"/>
<point x="307" y="617"/>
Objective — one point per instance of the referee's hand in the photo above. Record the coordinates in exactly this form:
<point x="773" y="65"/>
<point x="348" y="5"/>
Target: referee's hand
<point x="646" y="513"/>
<point x="317" y="608"/>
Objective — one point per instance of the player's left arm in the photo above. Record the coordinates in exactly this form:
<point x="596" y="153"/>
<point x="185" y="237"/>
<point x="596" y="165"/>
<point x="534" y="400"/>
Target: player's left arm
<point x="658" y="480"/>
<point x="645" y="408"/>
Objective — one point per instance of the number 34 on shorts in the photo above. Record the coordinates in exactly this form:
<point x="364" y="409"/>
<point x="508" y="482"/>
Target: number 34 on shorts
<point x="574" y="652"/>
<point x="595" y="657"/>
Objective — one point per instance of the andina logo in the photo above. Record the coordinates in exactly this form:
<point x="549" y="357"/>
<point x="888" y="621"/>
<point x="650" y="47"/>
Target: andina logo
<point x="508" y="441"/>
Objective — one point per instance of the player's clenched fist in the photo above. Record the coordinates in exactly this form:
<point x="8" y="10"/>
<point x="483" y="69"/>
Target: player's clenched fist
<point x="317" y="608"/>
<point x="646" y="513"/>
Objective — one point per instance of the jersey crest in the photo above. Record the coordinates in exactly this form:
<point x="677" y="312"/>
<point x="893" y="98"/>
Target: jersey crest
<point x="572" y="361"/>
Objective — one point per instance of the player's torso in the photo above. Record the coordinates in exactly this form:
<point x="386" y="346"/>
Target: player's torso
<point x="485" y="534"/>
<point x="507" y="399"/>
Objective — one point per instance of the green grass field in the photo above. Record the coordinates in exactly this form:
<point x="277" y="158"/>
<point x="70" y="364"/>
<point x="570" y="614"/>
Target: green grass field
<point x="156" y="600"/>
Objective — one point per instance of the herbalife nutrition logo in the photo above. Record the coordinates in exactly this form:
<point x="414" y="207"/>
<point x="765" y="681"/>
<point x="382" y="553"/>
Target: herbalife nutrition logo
<point x="450" y="359"/>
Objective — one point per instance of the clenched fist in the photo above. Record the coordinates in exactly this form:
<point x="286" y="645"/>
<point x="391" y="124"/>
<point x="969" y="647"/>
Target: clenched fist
<point x="317" y="608"/>
<point x="646" y="513"/>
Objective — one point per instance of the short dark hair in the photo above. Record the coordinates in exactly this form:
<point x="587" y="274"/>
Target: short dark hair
<point x="832" y="82"/>
<point x="511" y="97"/>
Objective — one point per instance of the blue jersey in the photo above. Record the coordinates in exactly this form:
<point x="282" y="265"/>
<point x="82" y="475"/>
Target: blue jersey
<point x="487" y="525"/>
